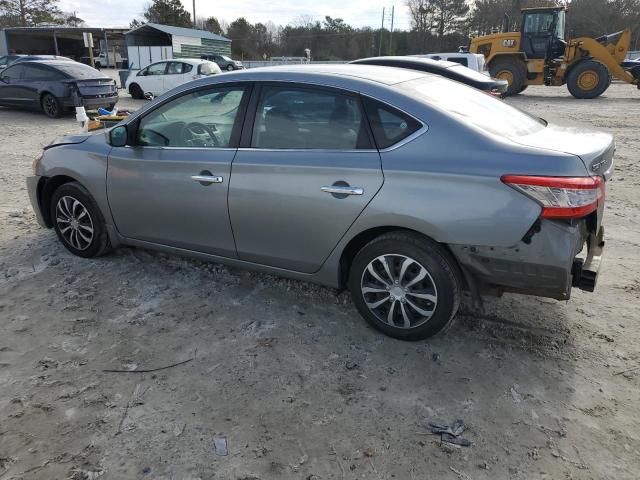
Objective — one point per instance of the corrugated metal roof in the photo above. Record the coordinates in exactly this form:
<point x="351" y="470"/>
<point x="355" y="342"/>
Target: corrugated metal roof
<point x="180" y="31"/>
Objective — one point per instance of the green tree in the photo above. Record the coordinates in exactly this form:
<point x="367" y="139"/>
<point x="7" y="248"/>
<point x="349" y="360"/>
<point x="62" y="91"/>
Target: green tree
<point x="135" y="23"/>
<point x="212" y="25"/>
<point x="440" y="16"/>
<point x="168" y="12"/>
<point x="25" y="13"/>
<point x="243" y="44"/>
<point x="71" y="20"/>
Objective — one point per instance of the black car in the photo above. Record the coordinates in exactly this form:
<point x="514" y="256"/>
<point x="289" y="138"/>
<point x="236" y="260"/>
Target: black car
<point x="224" y="62"/>
<point x="451" y="70"/>
<point x="55" y="86"/>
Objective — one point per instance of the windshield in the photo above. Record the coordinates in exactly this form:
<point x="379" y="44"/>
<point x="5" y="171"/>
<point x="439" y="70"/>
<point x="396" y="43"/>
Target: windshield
<point x="472" y="106"/>
<point x="224" y="57"/>
<point x="539" y="23"/>
<point x="79" y="70"/>
<point x="7" y="60"/>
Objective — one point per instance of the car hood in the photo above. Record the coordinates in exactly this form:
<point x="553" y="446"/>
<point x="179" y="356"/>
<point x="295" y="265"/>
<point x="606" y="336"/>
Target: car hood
<point x="595" y="149"/>
<point x="70" y="139"/>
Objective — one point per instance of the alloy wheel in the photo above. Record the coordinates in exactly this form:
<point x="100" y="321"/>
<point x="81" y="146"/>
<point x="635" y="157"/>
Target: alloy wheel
<point x="74" y="222"/>
<point x="50" y="106"/>
<point x="399" y="291"/>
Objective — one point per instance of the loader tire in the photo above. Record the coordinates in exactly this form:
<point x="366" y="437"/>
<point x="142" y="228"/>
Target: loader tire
<point x="511" y="69"/>
<point x="588" y="79"/>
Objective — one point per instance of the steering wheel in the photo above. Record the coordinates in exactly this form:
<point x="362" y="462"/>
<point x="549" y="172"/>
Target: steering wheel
<point x="199" y="134"/>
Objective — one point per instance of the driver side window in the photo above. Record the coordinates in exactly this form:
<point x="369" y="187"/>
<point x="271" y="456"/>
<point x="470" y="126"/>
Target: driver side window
<point x="204" y="118"/>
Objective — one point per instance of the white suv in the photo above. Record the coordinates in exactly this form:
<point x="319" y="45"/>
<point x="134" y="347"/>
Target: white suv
<point x="163" y="76"/>
<point x="475" y="61"/>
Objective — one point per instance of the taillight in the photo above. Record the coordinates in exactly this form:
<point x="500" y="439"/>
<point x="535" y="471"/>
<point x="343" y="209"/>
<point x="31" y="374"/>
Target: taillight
<point x="561" y="197"/>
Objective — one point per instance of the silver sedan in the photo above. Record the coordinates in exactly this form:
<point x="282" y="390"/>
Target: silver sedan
<point x="404" y="187"/>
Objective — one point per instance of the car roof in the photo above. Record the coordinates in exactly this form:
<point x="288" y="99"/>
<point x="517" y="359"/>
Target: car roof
<point x="47" y="61"/>
<point x="415" y="60"/>
<point x="307" y="72"/>
<point x="191" y="60"/>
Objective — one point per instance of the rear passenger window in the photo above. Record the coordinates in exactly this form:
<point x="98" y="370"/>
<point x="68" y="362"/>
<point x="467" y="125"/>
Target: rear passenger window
<point x="389" y="125"/>
<point x="36" y="73"/>
<point x="300" y="118"/>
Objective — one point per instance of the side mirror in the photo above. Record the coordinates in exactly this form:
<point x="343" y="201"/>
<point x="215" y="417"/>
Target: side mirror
<point x="118" y="136"/>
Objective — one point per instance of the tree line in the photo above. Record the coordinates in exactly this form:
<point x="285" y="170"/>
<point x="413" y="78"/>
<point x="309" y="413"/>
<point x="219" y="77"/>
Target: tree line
<point x="436" y="25"/>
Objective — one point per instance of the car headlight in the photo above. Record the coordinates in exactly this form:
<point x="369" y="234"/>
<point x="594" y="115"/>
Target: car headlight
<point x="36" y="163"/>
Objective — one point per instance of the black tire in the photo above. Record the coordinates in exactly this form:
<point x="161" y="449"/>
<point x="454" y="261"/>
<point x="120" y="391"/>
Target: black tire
<point x="135" y="91"/>
<point x="588" y="79"/>
<point x="512" y="69"/>
<point x="67" y="194"/>
<point x="524" y="87"/>
<point x="441" y="279"/>
<point x="229" y="68"/>
<point x="98" y="66"/>
<point x="51" y="106"/>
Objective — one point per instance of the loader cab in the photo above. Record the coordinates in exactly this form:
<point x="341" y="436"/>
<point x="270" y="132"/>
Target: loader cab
<point x="542" y="32"/>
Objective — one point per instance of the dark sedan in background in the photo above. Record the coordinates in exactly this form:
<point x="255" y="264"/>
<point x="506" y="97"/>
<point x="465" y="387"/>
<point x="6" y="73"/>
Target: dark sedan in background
<point x="450" y="70"/>
<point x="55" y="86"/>
<point x="223" y="61"/>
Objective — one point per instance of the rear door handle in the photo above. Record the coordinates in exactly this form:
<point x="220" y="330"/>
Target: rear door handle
<point x="206" y="178"/>
<point x="343" y="190"/>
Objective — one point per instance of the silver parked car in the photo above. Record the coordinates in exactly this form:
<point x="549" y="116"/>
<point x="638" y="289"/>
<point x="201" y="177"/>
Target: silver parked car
<point x="404" y="187"/>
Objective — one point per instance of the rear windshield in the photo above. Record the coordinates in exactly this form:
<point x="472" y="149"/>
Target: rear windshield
<point x="468" y="73"/>
<point x="472" y="106"/>
<point x="79" y="70"/>
<point x="207" y="68"/>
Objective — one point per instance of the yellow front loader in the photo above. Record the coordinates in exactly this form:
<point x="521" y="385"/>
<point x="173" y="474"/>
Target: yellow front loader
<point x="539" y="55"/>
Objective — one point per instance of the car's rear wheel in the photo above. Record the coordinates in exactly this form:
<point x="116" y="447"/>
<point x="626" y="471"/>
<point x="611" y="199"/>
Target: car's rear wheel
<point x="588" y="79"/>
<point x="135" y="91"/>
<point x="229" y="68"/>
<point x="405" y="285"/>
<point x="78" y="222"/>
<point x="511" y="69"/>
<point x="51" y="106"/>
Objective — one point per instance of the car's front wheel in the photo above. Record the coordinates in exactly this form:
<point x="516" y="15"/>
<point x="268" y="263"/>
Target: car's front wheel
<point x="78" y="222"/>
<point x="405" y="285"/>
<point x="229" y="68"/>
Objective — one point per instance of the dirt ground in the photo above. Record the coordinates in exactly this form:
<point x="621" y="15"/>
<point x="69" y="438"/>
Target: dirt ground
<point x="289" y="374"/>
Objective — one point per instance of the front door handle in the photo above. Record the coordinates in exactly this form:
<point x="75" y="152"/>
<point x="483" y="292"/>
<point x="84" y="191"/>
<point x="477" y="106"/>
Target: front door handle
<point x="343" y="190"/>
<point x="206" y="179"/>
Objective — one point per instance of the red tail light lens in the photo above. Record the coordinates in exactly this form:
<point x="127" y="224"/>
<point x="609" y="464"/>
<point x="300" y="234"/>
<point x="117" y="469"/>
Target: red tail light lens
<point x="561" y="197"/>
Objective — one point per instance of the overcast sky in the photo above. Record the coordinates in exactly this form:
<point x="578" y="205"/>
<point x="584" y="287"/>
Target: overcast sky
<point x="111" y="13"/>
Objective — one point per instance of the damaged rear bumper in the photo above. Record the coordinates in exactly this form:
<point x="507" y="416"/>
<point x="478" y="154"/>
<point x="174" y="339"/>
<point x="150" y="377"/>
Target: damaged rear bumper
<point x="544" y="264"/>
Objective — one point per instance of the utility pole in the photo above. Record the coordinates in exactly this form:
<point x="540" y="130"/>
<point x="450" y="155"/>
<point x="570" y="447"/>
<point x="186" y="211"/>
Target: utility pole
<point x="195" y="25"/>
<point x="381" y="28"/>
<point x="393" y="7"/>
